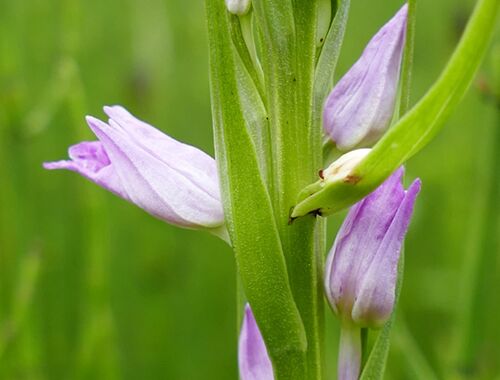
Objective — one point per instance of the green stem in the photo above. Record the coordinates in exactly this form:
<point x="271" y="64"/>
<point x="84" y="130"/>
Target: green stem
<point x="289" y="63"/>
<point x="248" y="210"/>
<point x="407" y="65"/>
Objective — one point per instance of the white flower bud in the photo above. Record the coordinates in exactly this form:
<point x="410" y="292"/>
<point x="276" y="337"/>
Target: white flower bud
<point x="238" y="7"/>
<point x="341" y="168"/>
<point x="317" y="197"/>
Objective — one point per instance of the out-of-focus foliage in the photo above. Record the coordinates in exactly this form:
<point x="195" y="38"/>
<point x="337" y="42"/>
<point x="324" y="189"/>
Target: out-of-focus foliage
<point x="92" y="287"/>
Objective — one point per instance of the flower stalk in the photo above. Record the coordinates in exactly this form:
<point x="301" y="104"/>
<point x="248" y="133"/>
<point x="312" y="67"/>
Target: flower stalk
<point x="349" y="362"/>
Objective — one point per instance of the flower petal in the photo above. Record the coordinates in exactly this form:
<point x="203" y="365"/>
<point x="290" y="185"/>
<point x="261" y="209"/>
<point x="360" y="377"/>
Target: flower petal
<point x="358" y="241"/>
<point x="376" y="293"/>
<point x="90" y="159"/>
<point x="360" y="107"/>
<point x="155" y="186"/>
<point x="253" y="358"/>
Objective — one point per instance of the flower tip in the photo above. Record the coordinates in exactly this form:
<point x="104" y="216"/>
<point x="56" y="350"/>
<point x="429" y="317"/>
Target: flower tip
<point x="404" y="10"/>
<point x="97" y="126"/>
<point x="50" y="165"/>
<point x="108" y="109"/>
<point x="115" y="110"/>
<point x="400" y="18"/>
<point x="54" y="165"/>
<point x="91" y="120"/>
<point x="415" y="187"/>
<point x="399" y="173"/>
<point x="248" y="311"/>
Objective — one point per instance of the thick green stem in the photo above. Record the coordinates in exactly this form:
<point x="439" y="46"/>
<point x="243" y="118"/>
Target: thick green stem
<point x="248" y="210"/>
<point x="288" y="63"/>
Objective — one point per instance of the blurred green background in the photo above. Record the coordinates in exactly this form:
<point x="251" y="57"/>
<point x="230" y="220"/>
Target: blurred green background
<point x="92" y="287"/>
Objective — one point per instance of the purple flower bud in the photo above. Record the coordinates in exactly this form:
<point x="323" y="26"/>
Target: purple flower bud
<point x="360" y="108"/>
<point x="361" y="269"/>
<point x="170" y="180"/>
<point x="253" y="358"/>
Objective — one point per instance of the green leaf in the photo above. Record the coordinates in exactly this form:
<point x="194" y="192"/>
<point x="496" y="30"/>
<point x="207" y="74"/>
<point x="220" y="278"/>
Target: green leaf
<point x="248" y="210"/>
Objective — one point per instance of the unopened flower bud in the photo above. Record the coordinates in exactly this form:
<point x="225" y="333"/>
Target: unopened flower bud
<point x="238" y="7"/>
<point x="361" y="269"/>
<point x="360" y="107"/>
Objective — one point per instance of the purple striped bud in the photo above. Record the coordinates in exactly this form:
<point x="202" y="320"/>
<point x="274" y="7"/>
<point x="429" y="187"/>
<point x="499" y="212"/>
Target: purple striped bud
<point x="361" y="269"/>
<point x="253" y="358"/>
<point x="359" y="109"/>
<point x="173" y="181"/>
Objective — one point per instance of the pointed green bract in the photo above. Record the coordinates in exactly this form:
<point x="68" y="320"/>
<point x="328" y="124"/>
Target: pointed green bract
<point x="424" y="121"/>
<point x="419" y="125"/>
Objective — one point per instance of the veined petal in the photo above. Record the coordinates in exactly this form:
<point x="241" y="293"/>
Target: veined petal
<point x="358" y="240"/>
<point x="155" y="186"/>
<point x="376" y="293"/>
<point x="171" y="180"/>
<point x="89" y="159"/>
<point x="360" y="107"/>
<point x="157" y="142"/>
<point x="253" y="359"/>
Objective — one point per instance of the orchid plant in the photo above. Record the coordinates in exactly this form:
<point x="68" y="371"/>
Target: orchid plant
<point x="278" y="120"/>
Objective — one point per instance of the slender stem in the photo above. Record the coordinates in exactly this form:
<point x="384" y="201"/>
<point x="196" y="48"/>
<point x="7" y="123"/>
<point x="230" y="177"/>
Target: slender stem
<point x="349" y="363"/>
<point x="406" y="69"/>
